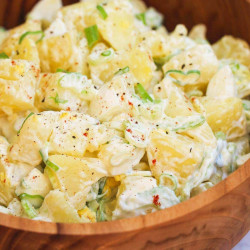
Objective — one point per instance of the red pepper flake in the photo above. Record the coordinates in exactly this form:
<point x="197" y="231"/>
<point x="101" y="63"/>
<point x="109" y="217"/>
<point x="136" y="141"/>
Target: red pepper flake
<point x="130" y="103"/>
<point x="189" y="109"/>
<point x="156" y="200"/>
<point x="13" y="62"/>
<point x="193" y="99"/>
<point x="4" y="180"/>
<point x="129" y="130"/>
<point x="122" y="98"/>
<point x="85" y="134"/>
<point x="45" y="75"/>
<point x="11" y="147"/>
<point x="68" y="109"/>
<point x="154" y="161"/>
<point x="34" y="177"/>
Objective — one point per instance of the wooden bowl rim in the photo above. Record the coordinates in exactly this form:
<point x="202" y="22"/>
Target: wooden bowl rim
<point x="158" y="218"/>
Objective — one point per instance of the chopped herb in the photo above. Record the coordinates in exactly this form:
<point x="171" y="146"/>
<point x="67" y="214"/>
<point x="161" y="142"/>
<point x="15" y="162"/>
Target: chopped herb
<point x="52" y="165"/>
<point x="191" y="125"/>
<point x="220" y="135"/>
<point x="25" y="196"/>
<point x="102" y="11"/>
<point x="3" y="56"/>
<point x="57" y="100"/>
<point x="139" y="90"/>
<point x="162" y="60"/>
<point x="24" y="122"/>
<point x="246" y="104"/>
<point x="106" y="53"/>
<point x="32" y="33"/>
<point x="141" y="17"/>
<point x="29" y="209"/>
<point x="122" y="71"/>
<point x="62" y="70"/>
<point x="92" y="35"/>
<point x="163" y="180"/>
<point x="196" y="72"/>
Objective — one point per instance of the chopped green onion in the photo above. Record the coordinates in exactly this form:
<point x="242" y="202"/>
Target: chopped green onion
<point x="32" y="33"/>
<point x="220" y="135"/>
<point x="106" y="53"/>
<point x="163" y="60"/>
<point x="191" y="125"/>
<point x="29" y="209"/>
<point x="122" y="71"/>
<point x="92" y="35"/>
<point x="44" y="154"/>
<point x="3" y="56"/>
<point x="29" y="196"/>
<point x="142" y="17"/>
<point x="62" y="70"/>
<point x="24" y="122"/>
<point x="102" y="11"/>
<point x="197" y="72"/>
<point x="171" y="177"/>
<point x="139" y="90"/>
<point x="102" y="183"/>
<point x="52" y="165"/>
<point x="246" y="105"/>
<point x="57" y="100"/>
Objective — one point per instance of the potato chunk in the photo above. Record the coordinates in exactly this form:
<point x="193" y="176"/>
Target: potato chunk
<point x="75" y="176"/>
<point x="17" y="84"/>
<point x="225" y="115"/>
<point x="174" y="154"/>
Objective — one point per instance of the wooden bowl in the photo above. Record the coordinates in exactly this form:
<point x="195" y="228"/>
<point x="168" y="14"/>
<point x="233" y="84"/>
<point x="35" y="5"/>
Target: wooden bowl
<point x="215" y="219"/>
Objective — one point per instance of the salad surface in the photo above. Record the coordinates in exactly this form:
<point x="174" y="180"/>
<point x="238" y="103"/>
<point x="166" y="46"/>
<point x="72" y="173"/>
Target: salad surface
<point x="104" y="114"/>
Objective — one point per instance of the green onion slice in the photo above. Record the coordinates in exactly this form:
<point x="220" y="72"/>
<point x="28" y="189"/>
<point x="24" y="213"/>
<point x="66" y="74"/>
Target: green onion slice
<point x="246" y="105"/>
<point x="29" y="196"/>
<point x="44" y="154"/>
<point x="106" y="53"/>
<point x="122" y="71"/>
<point x="190" y="72"/>
<point x="52" y="165"/>
<point x="139" y="90"/>
<point x="165" y="178"/>
<point x="62" y="70"/>
<point x="29" y="209"/>
<point x="191" y="125"/>
<point x="102" y="11"/>
<point x="142" y="17"/>
<point x="220" y="135"/>
<point x="92" y="35"/>
<point x="24" y="122"/>
<point x="162" y="60"/>
<point x="57" y="100"/>
<point x="38" y="32"/>
<point x="3" y="56"/>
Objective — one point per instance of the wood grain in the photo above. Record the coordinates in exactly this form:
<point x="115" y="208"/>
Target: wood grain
<point x="215" y="219"/>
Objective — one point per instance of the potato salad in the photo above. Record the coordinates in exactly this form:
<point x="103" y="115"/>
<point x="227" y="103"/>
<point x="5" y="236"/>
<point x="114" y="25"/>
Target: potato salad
<point x="105" y="114"/>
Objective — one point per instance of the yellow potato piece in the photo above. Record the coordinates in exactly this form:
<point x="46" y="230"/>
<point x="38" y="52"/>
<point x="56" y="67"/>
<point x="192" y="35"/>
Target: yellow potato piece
<point x="180" y="105"/>
<point x="119" y="28"/>
<point x="58" y="209"/>
<point x="17" y="84"/>
<point x="9" y="44"/>
<point x="75" y="176"/>
<point x="27" y="50"/>
<point x="173" y="153"/>
<point x="56" y="52"/>
<point x="233" y="48"/>
<point x="225" y="115"/>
